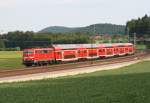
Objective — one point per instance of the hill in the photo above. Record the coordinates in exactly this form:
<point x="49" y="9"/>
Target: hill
<point x="99" y="28"/>
<point x="57" y="29"/>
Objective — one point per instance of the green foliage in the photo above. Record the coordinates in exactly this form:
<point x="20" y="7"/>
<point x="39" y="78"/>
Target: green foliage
<point x="125" y="85"/>
<point x="139" y="26"/>
<point x="112" y="39"/>
<point x="56" y="29"/>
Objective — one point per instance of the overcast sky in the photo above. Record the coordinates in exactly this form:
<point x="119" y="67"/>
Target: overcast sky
<point x="37" y="14"/>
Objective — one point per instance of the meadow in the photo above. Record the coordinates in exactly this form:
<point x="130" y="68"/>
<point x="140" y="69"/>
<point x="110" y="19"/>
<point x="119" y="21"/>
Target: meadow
<point x="130" y="84"/>
<point x="10" y="60"/>
<point x="141" y="46"/>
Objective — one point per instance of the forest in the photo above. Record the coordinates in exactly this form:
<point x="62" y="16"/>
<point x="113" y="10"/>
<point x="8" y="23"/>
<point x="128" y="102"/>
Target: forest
<point x="31" y="39"/>
<point x="140" y="26"/>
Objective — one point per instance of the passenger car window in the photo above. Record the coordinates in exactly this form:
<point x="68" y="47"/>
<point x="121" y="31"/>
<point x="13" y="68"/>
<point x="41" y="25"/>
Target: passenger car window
<point x="58" y="53"/>
<point x="45" y="51"/>
<point x="85" y="51"/>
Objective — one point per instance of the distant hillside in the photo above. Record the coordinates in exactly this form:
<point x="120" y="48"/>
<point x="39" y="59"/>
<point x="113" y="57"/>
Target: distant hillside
<point x="57" y="29"/>
<point x="99" y="28"/>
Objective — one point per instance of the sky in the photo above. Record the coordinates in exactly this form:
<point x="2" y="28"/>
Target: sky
<point x="34" y="15"/>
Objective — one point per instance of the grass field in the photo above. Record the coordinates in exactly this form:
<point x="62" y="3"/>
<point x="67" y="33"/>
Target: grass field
<point x="126" y="85"/>
<point x="10" y="60"/>
<point x="140" y="46"/>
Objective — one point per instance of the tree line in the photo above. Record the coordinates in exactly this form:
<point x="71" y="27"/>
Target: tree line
<point x="141" y="29"/>
<point x="31" y="39"/>
<point x="140" y="26"/>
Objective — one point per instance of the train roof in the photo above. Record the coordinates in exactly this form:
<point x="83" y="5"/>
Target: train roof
<point x="82" y="46"/>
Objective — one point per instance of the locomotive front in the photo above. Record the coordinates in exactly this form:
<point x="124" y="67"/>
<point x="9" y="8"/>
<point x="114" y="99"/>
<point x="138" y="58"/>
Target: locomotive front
<point x="28" y="57"/>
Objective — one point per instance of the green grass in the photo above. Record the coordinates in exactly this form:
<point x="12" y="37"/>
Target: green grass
<point x="10" y="60"/>
<point x="126" y="85"/>
<point x="141" y="46"/>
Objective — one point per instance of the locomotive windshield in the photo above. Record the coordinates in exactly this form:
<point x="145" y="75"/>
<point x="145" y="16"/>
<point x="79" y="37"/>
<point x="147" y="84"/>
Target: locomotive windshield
<point x="28" y="52"/>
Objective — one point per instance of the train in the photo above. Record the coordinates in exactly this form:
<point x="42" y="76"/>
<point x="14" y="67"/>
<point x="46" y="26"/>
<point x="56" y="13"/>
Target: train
<point x="58" y="53"/>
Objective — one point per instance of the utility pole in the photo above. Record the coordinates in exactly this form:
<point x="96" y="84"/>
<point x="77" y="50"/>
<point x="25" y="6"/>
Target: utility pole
<point x="94" y="29"/>
<point x="128" y="31"/>
<point x="92" y="41"/>
<point x="134" y="39"/>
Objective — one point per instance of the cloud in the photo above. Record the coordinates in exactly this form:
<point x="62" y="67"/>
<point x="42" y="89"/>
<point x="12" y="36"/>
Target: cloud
<point x="70" y="1"/>
<point x="7" y="3"/>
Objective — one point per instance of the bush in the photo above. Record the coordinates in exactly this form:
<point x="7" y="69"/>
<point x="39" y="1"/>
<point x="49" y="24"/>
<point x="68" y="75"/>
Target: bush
<point x="148" y="46"/>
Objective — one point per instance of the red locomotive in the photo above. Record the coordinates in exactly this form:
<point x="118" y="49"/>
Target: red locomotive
<point x="74" y="52"/>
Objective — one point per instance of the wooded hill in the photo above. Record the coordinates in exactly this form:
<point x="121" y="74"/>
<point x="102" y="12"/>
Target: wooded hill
<point x="99" y="29"/>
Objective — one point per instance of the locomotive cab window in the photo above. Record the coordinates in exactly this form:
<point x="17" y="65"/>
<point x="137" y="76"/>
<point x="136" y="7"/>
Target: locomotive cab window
<point x="28" y="52"/>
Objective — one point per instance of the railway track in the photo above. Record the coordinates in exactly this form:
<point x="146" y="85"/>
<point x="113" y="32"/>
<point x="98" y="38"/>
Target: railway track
<point x="50" y="68"/>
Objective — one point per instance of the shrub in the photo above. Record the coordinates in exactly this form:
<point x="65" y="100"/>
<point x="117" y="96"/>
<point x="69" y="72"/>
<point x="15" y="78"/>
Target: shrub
<point x="148" y="46"/>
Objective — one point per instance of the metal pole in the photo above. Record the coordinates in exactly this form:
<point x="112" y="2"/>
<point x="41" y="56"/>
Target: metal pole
<point x="94" y="29"/>
<point x="134" y="39"/>
<point x="128" y="31"/>
<point x="92" y="41"/>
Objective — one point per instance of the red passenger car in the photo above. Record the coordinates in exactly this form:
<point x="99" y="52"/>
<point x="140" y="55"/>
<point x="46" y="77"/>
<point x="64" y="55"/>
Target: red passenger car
<point x="65" y="52"/>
